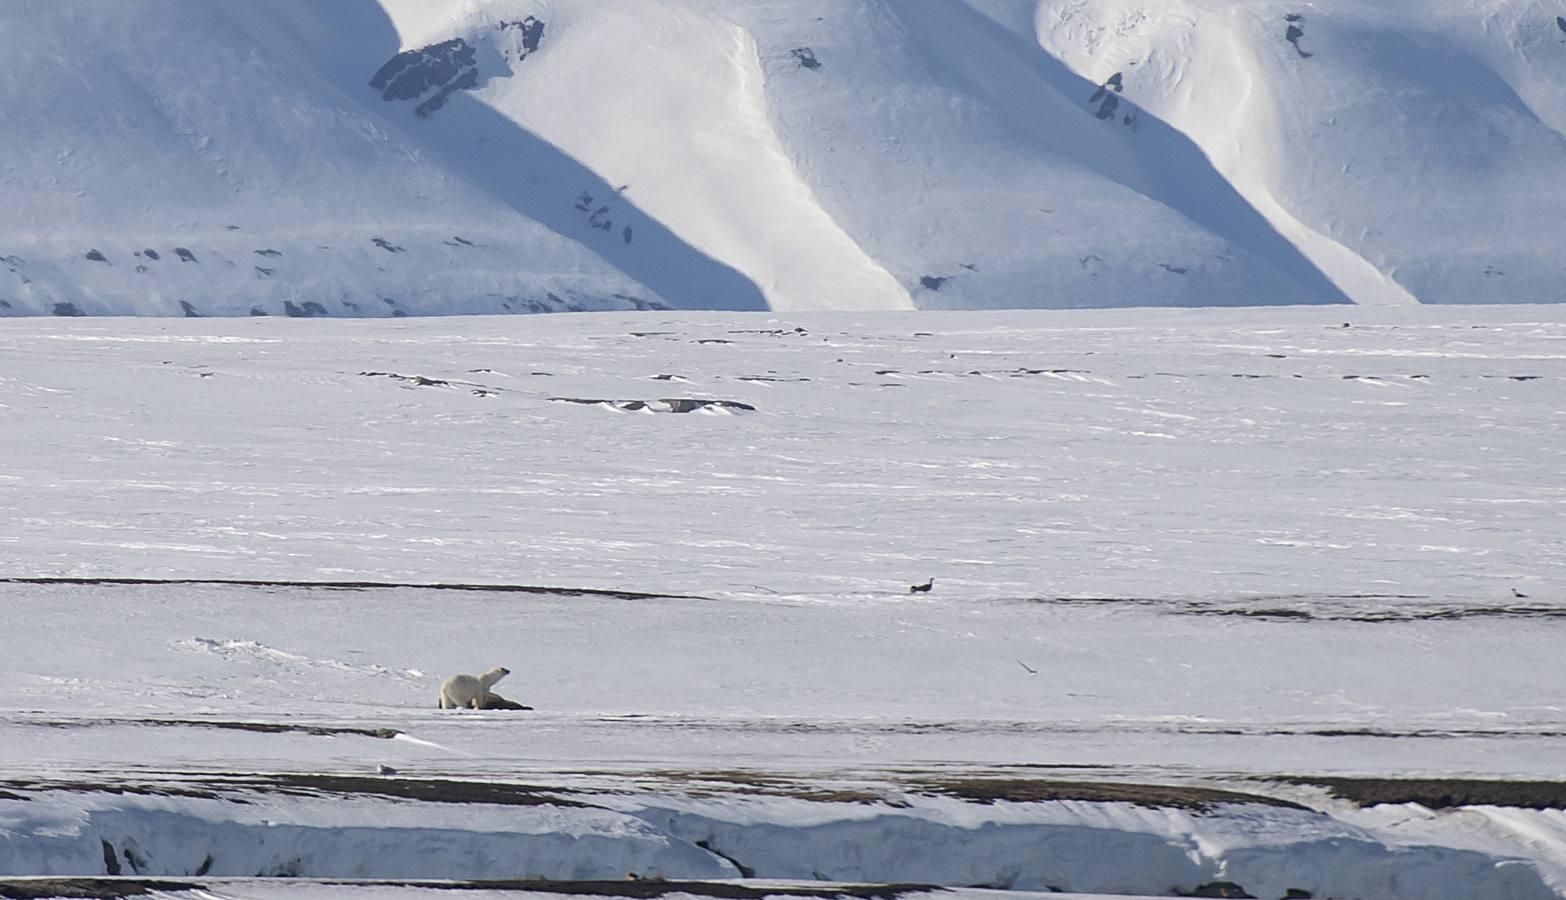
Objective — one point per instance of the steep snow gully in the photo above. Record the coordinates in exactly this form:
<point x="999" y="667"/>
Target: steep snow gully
<point x="407" y="157"/>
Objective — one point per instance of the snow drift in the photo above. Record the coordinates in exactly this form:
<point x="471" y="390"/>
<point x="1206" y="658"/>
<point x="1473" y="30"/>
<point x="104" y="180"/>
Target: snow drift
<point x="400" y="157"/>
<point x="1094" y="849"/>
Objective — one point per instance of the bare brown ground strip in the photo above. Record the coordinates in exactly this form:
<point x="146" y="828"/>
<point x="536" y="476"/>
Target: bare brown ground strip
<point x="732" y="782"/>
<point x="650" y="889"/>
<point x="645" y="889"/>
<point x="241" y="788"/>
<point x="1443" y="793"/>
<point x="91" y="888"/>
<point x="430" y="790"/>
<point x="1027" y="790"/>
<point x="225" y="725"/>
<point x="351" y="586"/>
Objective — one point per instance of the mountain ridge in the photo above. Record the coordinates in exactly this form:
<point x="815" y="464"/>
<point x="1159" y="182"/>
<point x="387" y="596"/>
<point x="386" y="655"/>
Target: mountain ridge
<point x="370" y="158"/>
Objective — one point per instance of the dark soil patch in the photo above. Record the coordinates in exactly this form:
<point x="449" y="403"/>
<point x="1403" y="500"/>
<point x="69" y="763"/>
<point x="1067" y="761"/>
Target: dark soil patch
<point x="228" y="725"/>
<point x="637" y="889"/>
<point x="234" y="788"/>
<point x="768" y="785"/>
<point x="648" y="888"/>
<point x="93" y="888"/>
<point x="1224" y="890"/>
<point x="358" y="586"/>
<point x="1428" y="614"/>
<point x="384" y="734"/>
<point x="116" y="788"/>
<point x="1156" y="796"/>
<point x="1443" y="793"/>
<point x="429" y="790"/>
<point x="1365" y="608"/>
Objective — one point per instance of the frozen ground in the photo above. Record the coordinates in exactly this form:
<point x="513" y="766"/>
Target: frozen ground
<point x="1220" y="597"/>
<point x="376" y="158"/>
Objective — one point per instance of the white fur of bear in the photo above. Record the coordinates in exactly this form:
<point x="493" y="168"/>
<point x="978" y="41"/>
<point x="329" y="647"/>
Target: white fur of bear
<point x="470" y="691"/>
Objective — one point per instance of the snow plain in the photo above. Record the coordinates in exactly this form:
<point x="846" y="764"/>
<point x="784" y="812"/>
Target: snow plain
<point x="1175" y="553"/>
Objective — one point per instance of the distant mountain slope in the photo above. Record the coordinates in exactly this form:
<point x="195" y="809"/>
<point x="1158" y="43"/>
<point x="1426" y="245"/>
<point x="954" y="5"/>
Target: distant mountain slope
<point x="159" y="160"/>
<point x="1419" y="145"/>
<point x="377" y="157"/>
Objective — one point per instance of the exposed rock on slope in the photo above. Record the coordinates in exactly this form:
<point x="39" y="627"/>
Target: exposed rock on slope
<point x="436" y="156"/>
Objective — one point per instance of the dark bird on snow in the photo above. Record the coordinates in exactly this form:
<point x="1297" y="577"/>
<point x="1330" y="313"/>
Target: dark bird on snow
<point x="921" y="588"/>
<point x="1519" y="594"/>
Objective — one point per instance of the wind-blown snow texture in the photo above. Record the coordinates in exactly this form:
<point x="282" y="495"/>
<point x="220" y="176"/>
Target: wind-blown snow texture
<point x="182" y="157"/>
<point x="1200" y="548"/>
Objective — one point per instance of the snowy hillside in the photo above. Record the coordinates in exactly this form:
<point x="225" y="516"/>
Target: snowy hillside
<point x="365" y="158"/>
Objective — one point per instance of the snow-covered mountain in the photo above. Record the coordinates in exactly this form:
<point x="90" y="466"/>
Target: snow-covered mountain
<point x="385" y="157"/>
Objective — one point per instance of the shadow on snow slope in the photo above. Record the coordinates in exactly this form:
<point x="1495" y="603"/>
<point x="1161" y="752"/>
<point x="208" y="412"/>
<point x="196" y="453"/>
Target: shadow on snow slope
<point x="1033" y="88"/>
<point x="348" y="40"/>
<point x="541" y="181"/>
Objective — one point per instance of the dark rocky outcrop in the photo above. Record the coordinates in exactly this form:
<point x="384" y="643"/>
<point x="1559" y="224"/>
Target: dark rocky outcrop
<point x="412" y="74"/>
<point x="1295" y="32"/>
<point x="529" y="31"/>
<point x="1106" y="96"/>
<point x="307" y="310"/>
<point x="669" y="405"/>
<point x="430" y="75"/>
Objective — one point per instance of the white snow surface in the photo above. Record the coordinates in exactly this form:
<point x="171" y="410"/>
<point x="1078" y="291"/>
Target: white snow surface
<point x="1198" y="548"/>
<point x="785" y="154"/>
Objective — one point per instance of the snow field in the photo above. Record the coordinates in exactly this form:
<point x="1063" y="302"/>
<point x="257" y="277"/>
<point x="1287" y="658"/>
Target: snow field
<point x="1112" y="602"/>
<point x="1176" y="455"/>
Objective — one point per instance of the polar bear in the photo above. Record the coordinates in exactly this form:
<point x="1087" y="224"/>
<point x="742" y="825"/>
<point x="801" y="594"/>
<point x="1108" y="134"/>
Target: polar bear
<point x="470" y="691"/>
